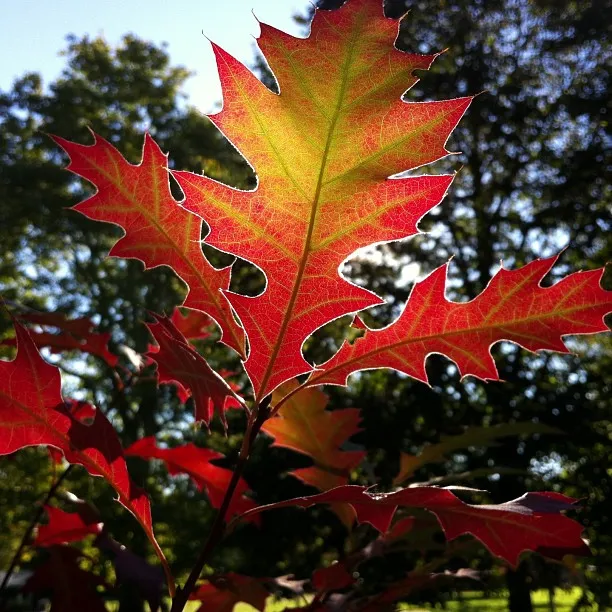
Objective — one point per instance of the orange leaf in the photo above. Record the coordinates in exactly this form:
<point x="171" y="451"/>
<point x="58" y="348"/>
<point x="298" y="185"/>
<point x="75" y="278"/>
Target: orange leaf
<point x="303" y="425"/>
<point x="324" y="150"/>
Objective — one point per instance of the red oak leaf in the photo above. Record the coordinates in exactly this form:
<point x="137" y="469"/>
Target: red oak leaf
<point x="304" y="425"/>
<point x="180" y="364"/>
<point x="323" y="150"/>
<point x="222" y="593"/>
<point x="81" y="326"/>
<point x="32" y="413"/>
<point x="80" y="410"/>
<point x="531" y="522"/>
<point x="332" y="578"/>
<point x="195" y="462"/>
<point x="514" y="307"/>
<point x="194" y="325"/>
<point x="92" y="343"/>
<point x="63" y="527"/>
<point x="71" y="587"/>
<point x="158" y="230"/>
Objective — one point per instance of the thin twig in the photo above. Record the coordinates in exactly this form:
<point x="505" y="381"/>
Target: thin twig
<point x="258" y="416"/>
<point x="28" y="533"/>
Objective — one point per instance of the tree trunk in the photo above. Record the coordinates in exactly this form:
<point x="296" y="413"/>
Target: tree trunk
<point x="519" y="597"/>
<point x="551" y="599"/>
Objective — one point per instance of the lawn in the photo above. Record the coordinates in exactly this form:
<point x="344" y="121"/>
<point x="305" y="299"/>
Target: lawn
<point x="471" y="602"/>
<point x="475" y="602"/>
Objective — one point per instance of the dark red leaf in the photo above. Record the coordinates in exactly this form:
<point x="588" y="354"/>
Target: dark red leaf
<point x="71" y="588"/>
<point x="63" y="527"/>
<point x="332" y="578"/>
<point x="195" y="462"/>
<point x="531" y="522"/>
<point x="134" y="570"/>
<point x="180" y="364"/>
<point x="222" y="593"/>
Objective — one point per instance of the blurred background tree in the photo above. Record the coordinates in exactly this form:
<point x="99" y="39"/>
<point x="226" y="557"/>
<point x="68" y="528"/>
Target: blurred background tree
<point x="534" y="149"/>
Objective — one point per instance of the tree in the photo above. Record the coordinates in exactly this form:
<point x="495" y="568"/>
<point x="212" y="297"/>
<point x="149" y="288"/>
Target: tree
<point x="532" y="148"/>
<point x="480" y="399"/>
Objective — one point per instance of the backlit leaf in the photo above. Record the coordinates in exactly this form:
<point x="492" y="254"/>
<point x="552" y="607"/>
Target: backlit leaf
<point x="180" y="364"/>
<point x="195" y="462"/>
<point x="32" y="413"/>
<point x="514" y="307"/>
<point x="158" y="231"/>
<point x="63" y="527"/>
<point x="323" y="150"/>
<point x="304" y="425"/>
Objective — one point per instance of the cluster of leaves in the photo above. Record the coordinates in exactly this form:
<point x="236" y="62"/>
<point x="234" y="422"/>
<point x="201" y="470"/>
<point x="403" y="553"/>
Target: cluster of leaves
<point x="332" y="158"/>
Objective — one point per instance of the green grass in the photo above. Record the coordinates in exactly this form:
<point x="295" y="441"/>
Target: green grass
<point x="475" y="602"/>
<point x="471" y="602"/>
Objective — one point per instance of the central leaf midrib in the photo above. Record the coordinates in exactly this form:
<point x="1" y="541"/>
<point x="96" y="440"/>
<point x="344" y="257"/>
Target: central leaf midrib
<point x="313" y="212"/>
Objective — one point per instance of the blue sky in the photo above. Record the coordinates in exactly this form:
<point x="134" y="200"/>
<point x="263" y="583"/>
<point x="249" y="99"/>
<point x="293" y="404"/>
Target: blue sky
<point x="33" y="33"/>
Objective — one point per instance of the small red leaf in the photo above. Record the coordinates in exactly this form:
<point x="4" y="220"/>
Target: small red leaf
<point x="134" y="570"/>
<point x="180" y="364"/>
<point x="332" y="578"/>
<point x="92" y="343"/>
<point x="531" y="522"/>
<point x="195" y="462"/>
<point x="32" y="413"/>
<point x="63" y="527"/>
<point x="193" y="324"/>
<point x="415" y="581"/>
<point x="79" y="327"/>
<point x="222" y="593"/>
<point x="71" y="587"/>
